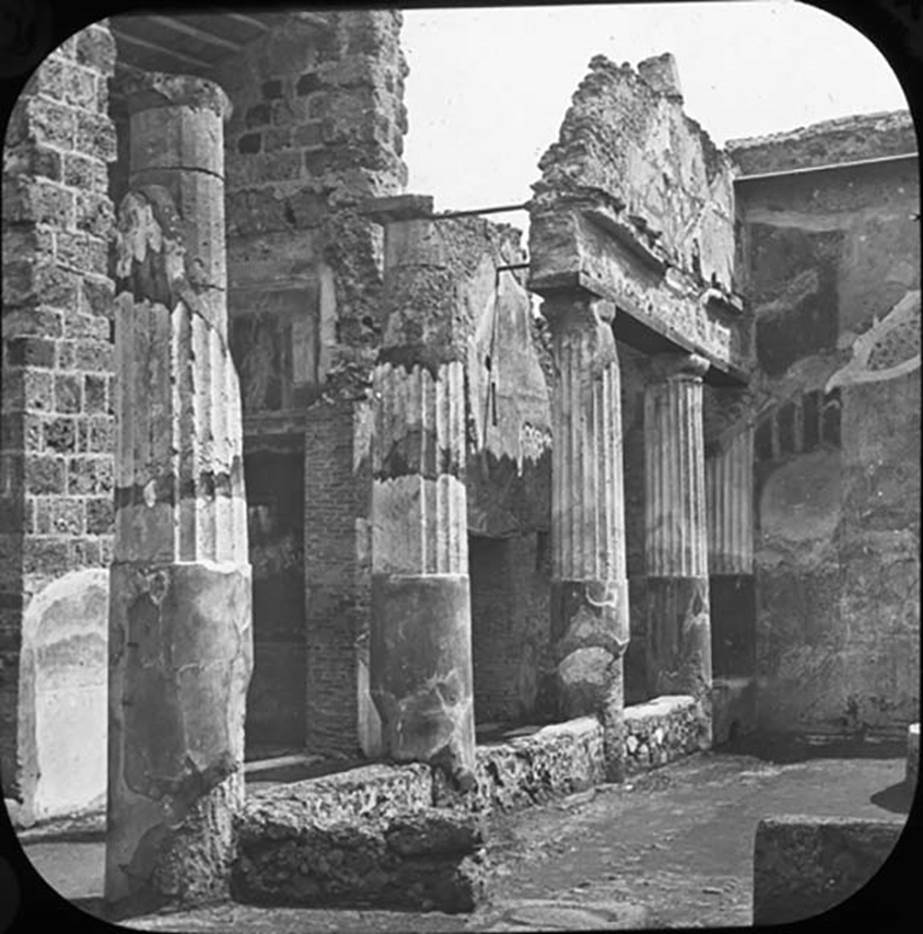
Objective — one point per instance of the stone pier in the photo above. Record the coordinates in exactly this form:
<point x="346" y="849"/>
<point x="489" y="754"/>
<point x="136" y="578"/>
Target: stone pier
<point x="589" y="596"/>
<point x="676" y="536"/>
<point x="180" y="641"/>
<point x="420" y="665"/>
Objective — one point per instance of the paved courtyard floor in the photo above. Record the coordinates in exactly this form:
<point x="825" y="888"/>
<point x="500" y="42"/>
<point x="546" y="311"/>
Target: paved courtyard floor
<point x="671" y="848"/>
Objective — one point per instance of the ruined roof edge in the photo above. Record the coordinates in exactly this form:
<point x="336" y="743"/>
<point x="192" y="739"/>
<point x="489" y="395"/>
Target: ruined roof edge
<point x="844" y="139"/>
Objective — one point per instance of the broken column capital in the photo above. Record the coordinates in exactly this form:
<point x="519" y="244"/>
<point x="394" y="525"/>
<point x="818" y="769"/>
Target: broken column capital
<point x="151" y="90"/>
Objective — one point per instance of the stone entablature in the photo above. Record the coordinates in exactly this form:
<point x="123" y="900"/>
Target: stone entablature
<point x="636" y="204"/>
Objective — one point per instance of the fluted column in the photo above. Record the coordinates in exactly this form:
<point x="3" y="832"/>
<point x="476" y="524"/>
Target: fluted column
<point x="420" y="663"/>
<point x="729" y="495"/>
<point x="676" y="532"/>
<point x="180" y="641"/>
<point x="589" y="587"/>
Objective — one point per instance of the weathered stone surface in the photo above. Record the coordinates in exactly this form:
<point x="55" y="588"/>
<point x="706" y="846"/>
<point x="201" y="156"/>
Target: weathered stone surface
<point x="370" y="791"/>
<point x="553" y="761"/>
<point x="62" y="696"/>
<point x="589" y="601"/>
<point x="676" y="530"/>
<point x="662" y="730"/>
<point x="729" y="500"/>
<point x="833" y="274"/>
<point x="420" y="669"/>
<point x="621" y="198"/>
<point x="429" y="859"/>
<point x="180" y="639"/>
<point x="846" y="139"/>
<point x="56" y="463"/>
<point x="180" y="661"/>
<point x="677" y="626"/>
<point x="678" y="636"/>
<point x="803" y="866"/>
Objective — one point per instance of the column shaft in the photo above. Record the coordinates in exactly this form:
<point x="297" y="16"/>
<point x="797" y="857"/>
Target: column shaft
<point x="420" y="664"/>
<point x="729" y="494"/>
<point x="676" y="536"/>
<point x="589" y="588"/>
<point x="180" y="641"/>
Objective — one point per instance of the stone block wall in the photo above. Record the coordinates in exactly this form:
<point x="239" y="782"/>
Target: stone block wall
<point x="831" y="264"/>
<point x="805" y="866"/>
<point x="56" y="507"/>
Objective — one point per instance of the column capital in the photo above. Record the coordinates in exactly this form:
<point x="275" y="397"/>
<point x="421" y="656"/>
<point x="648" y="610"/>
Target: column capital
<point x="677" y="366"/>
<point x="576" y="310"/>
<point x="149" y="90"/>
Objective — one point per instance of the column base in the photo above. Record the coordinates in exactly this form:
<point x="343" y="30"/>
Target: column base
<point x="180" y="658"/>
<point x="679" y="639"/>
<point x="590" y="629"/>
<point x="420" y="670"/>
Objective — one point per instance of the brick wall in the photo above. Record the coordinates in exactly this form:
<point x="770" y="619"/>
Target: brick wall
<point x="56" y="461"/>
<point x="337" y="593"/>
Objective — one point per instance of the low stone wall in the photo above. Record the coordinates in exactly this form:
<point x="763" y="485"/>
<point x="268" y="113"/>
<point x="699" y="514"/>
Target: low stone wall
<point x="803" y="866"/>
<point x="370" y="791"/>
<point x="556" y="760"/>
<point x="426" y="859"/>
<point x="661" y="730"/>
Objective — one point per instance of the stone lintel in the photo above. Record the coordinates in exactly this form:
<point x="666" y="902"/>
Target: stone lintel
<point x="398" y="208"/>
<point x="654" y="337"/>
<point x="581" y="284"/>
<point x="152" y="89"/>
<point x="633" y="326"/>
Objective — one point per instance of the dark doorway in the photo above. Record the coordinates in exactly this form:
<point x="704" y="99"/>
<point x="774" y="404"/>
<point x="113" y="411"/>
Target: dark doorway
<point x="276" y="700"/>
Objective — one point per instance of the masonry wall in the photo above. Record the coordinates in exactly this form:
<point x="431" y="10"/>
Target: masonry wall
<point x="832" y="264"/>
<point x="57" y="428"/>
<point x="317" y="129"/>
<point x="507" y="473"/>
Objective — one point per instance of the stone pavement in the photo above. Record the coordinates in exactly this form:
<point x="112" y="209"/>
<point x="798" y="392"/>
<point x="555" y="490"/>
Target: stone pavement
<point x="671" y="848"/>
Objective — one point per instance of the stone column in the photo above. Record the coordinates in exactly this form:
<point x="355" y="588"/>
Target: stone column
<point x="729" y="494"/>
<point x="180" y="640"/>
<point x="589" y="586"/>
<point x="676" y="536"/>
<point x="420" y="655"/>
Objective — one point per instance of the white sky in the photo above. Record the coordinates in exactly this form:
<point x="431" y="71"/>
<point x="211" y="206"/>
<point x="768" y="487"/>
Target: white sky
<point x="488" y="88"/>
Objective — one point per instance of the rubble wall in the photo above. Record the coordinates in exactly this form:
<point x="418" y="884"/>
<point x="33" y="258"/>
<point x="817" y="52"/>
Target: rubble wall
<point x="832" y="265"/>
<point x="56" y="509"/>
<point x="317" y="129"/>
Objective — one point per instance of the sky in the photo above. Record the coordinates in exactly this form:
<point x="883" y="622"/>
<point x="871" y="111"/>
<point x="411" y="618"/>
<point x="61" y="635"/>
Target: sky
<point x="488" y="88"/>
